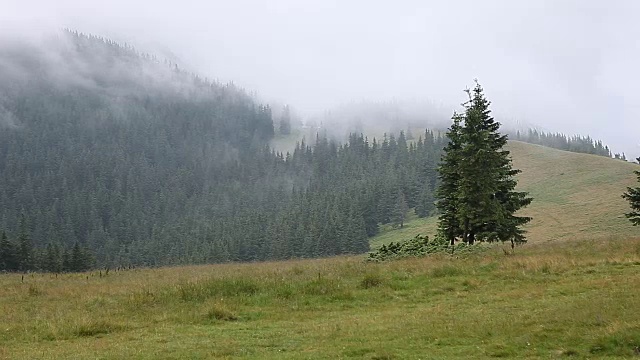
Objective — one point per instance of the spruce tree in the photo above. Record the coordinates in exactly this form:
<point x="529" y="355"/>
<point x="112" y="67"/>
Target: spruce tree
<point x="399" y="212"/>
<point x="449" y="177"/>
<point x="477" y="190"/>
<point x="424" y="204"/>
<point x="633" y="196"/>
<point x="51" y="260"/>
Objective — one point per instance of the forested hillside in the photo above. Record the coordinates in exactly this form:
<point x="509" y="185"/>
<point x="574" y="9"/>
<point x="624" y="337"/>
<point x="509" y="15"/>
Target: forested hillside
<point x="138" y="162"/>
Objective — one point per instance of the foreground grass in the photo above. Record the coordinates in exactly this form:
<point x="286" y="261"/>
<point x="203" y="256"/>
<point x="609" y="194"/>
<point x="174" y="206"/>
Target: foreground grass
<point x="567" y="298"/>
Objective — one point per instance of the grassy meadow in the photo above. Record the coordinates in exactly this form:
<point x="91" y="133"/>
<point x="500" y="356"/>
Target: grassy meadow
<point x="573" y="291"/>
<point x="571" y="298"/>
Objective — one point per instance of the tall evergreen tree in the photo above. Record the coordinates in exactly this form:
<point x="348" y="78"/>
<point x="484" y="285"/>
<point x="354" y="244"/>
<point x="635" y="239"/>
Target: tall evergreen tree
<point x="424" y="204"/>
<point x="400" y="208"/>
<point x="633" y="196"/>
<point x="481" y="201"/>
<point x="449" y="176"/>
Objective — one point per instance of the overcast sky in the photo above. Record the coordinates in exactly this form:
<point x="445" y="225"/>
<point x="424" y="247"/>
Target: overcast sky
<point x="568" y="66"/>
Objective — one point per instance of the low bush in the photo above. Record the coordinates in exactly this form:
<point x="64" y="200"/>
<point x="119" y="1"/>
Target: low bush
<point x="417" y="247"/>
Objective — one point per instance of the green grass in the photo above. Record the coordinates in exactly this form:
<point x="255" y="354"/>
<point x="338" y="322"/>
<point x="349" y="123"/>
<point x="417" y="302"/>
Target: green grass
<point x="573" y="298"/>
<point x="412" y="227"/>
<point x="577" y="297"/>
<point x="575" y="195"/>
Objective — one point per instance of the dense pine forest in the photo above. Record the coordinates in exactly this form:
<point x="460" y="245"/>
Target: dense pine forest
<point x="122" y="159"/>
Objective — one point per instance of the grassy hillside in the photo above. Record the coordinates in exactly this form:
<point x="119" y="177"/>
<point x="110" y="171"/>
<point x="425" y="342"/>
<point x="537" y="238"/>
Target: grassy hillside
<point x="576" y="196"/>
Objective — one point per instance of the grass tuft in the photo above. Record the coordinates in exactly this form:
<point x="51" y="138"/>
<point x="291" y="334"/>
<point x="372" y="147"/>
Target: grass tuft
<point x="218" y="288"/>
<point x="95" y="328"/>
<point x="34" y="290"/>
<point x="371" y="281"/>
<point x="218" y="312"/>
<point x="570" y="352"/>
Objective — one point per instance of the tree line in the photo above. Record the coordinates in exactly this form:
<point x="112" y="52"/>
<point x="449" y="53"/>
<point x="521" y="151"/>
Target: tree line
<point x="578" y="144"/>
<point x="19" y="254"/>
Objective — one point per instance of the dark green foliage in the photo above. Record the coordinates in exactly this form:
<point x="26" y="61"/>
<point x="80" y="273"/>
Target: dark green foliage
<point x="633" y="196"/>
<point x="416" y="247"/>
<point x="25" y="248"/>
<point x="477" y="196"/>
<point x="52" y="261"/>
<point x="400" y="209"/>
<point x="22" y="256"/>
<point x="8" y="254"/>
<point x="576" y="144"/>
<point x="448" y="189"/>
<point x="425" y="203"/>
<point x="168" y="168"/>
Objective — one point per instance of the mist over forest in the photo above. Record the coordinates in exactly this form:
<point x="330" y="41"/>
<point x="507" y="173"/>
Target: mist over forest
<point x="564" y="67"/>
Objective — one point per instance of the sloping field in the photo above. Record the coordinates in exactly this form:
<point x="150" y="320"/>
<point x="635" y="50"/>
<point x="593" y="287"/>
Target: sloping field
<point x="576" y="196"/>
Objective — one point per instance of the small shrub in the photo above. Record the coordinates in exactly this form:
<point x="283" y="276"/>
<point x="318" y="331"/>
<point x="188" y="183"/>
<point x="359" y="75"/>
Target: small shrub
<point x="419" y="246"/>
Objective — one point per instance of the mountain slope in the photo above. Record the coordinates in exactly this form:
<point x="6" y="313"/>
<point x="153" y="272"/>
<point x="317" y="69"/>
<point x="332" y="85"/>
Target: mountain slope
<point x="576" y="196"/>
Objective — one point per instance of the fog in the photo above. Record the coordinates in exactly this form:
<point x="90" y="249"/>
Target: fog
<point x="566" y="66"/>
